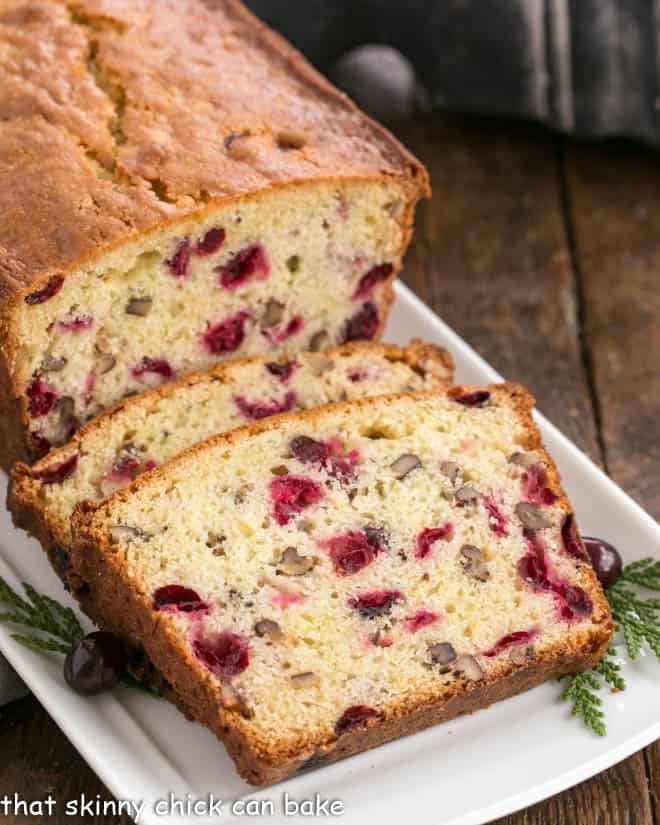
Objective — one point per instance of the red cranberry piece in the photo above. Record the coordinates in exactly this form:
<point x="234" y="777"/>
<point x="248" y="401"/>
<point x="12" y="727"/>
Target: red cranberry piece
<point x="290" y="329"/>
<point x="178" y="263"/>
<point x="497" y="521"/>
<point x="362" y="326"/>
<point x="157" y="366"/>
<point x="477" y="398"/>
<point x="76" y="324"/>
<point x="370" y="281"/>
<point x="254" y="410"/>
<point x="535" y="489"/>
<point x="176" y="598"/>
<point x="354" y="716"/>
<point x="42" y="396"/>
<point x="357" y="375"/>
<point x="59" y="472"/>
<point x="307" y="449"/>
<point x="48" y="290"/>
<point x="249" y="261"/>
<point x="574" y="602"/>
<point x="351" y="552"/>
<point x="375" y="603"/>
<point x="429" y="535"/>
<point x="421" y="618"/>
<point x="291" y="495"/>
<point x="519" y="637"/>
<point x="225" y="655"/>
<point x="40" y="445"/>
<point x="95" y="664"/>
<point x="533" y="567"/>
<point x="327" y="454"/>
<point x="211" y="242"/>
<point x="227" y="335"/>
<point x="571" y="538"/>
<point x="606" y="560"/>
<point x="281" y="371"/>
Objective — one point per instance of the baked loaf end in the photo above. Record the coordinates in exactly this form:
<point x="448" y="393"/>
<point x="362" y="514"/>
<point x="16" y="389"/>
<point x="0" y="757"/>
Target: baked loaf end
<point x="180" y="186"/>
<point x="147" y="430"/>
<point x="319" y="583"/>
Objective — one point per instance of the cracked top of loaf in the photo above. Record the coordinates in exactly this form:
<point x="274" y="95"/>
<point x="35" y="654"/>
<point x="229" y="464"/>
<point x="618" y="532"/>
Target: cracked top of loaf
<point x="119" y="116"/>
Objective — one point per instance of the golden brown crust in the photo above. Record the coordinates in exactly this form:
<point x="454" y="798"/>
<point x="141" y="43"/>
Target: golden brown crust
<point x="24" y="491"/>
<point x="145" y="115"/>
<point x="122" y="608"/>
<point x="120" y="126"/>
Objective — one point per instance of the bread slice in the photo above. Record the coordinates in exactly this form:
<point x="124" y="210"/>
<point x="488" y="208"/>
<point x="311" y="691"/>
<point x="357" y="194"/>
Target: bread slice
<point x="177" y="186"/>
<point x="318" y="583"/>
<point x="149" y="429"/>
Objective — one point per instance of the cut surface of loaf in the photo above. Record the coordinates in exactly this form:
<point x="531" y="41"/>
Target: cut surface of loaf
<point x="180" y="187"/>
<point x="321" y="582"/>
<point x="147" y="430"/>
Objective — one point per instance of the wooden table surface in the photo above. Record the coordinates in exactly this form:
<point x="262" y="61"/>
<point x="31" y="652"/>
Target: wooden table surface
<point x="545" y="256"/>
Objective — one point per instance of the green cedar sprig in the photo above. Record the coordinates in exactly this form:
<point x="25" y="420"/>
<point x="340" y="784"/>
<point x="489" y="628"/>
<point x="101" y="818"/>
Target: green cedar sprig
<point x="43" y="614"/>
<point x="57" y="627"/>
<point x="638" y="617"/>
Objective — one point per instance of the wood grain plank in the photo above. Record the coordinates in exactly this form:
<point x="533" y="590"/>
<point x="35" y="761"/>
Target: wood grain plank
<point x="614" y="200"/>
<point x="36" y="760"/>
<point x="492" y="256"/>
<point x="614" y="197"/>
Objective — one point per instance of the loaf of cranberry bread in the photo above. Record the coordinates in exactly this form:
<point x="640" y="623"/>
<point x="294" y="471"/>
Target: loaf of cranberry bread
<point x="147" y="430"/>
<point x="177" y="186"/>
<point x="321" y="582"/>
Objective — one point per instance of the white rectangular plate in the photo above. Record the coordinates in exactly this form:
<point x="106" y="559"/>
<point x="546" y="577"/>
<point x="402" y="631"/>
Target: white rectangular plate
<point x="465" y="772"/>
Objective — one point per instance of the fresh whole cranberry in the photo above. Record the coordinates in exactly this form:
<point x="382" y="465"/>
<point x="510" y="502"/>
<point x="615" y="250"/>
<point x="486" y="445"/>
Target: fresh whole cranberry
<point x="428" y="537"/>
<point x="58" y="472"/>
<point x="362" y="326"/>
<point x="291" y="495"/>
<point x="249" y="261"/>
<point x="519" y="637"/>
<point x="375" y="603"/>
<point x="606" y="560"/>
<point x="354" y="716"/>
<point x="351" y="552"/>
<point x="48" y="290"/>
<point x="225" y="336"/>
<point x="476" y="398"/>
<point x="95" y="664"/>
<point x="211" y="242"/>
<point x="370" y="281"/>
<point x="42" y="397"/>
<point x="254" y="410"/>
<point x="283" y="371"/>
<point x="157" y="366"/>
<point x="174" y="598"/>
<point x="178" y="263"/>
<point x="226" y="655"/>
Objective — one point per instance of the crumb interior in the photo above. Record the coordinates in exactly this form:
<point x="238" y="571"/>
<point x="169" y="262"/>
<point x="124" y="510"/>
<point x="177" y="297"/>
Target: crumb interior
<point x="340" y="567"/>
<point x="156" y="427"/>
<point x="301" y="268"/>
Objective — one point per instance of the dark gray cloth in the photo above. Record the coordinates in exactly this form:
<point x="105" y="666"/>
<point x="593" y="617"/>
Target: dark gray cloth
<point x="583" y="66"/>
